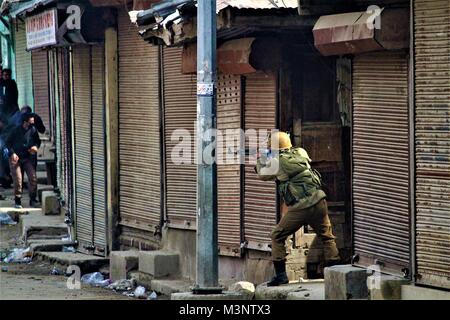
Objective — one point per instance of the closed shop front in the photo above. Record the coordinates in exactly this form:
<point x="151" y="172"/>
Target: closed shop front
<point x="139" y="137"/>
<point x="39" y="59"/>
<point x="260" y="197"/>
<point x="23" y="67"/>
<point x="380" y="181"/>
<point x="89" y="148"/>
<point x="229" y="169"/>
<point x="63" y="123"/>
<point x="432" y="142"/>
<point x="180" y="113"/>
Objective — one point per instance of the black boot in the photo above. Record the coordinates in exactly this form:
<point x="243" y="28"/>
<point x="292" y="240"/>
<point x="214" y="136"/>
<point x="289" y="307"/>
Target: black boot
<point x="33" y="202"/>
<point x="17" y="203"/>
<point x="280" y="274"/>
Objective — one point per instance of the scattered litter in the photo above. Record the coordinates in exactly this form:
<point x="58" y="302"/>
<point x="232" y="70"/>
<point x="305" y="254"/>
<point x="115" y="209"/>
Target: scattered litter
<point x="69" y="249"/>
<point x="95" y="279"/>
<point x="152" y="296"/>
<point x="55" y="272"/>
<point x="19" y="255"/>
<point x="140" y="293"/>
<point x="128" y="293"/>
<point x="4" y="269"/>
<point x="65" y="239"/>
<point x="123" y="285"/>
<point x="5" y="219"/>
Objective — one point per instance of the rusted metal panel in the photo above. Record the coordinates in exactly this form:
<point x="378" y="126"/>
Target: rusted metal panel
<point x="381" y="161"/>
<point x="180" y="112"/>
<point x="260" y="200"/>
<point x="98" y="149"/>
<point x="229" y="102"/>
<point x="83" y="152"/>
<point x="139" y="137"/>
<point x="233" y="57"/>
<point x="39" y="61"/>
<point x="432" y="141"/>
<point x="356" y="32"/>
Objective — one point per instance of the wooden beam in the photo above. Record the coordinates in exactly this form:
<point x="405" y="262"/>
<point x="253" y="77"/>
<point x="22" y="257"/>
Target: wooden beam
<point x="112" y="135"/>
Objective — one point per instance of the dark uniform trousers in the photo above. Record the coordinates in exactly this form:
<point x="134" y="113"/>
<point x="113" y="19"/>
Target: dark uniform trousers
<point x="317" y="217"/>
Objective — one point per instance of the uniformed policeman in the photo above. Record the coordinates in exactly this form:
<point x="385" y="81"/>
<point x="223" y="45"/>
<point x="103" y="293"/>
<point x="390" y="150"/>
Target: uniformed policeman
<point x="300" y="189"/>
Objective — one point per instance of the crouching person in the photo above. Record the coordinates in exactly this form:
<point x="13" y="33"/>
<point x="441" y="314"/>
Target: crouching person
<point x="23" y="143"/>
<point x="300" y="189"/>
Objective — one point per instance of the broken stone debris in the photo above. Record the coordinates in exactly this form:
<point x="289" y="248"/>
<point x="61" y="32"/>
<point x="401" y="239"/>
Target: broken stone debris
<point x="123" y="285"/>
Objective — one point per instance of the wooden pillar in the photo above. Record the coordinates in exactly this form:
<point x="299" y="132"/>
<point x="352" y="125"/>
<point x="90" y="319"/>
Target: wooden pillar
<point x="112" y="135"/>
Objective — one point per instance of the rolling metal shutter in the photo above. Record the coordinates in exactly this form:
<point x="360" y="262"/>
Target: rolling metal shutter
<point x="23" y="68"/>
<point x="139" y="136"/>
<point x="432" y="143"/>
<point x="83" y="151"/>
<point x="40" y="66"/>
<point x="229" y="172"/>
<point x="260" y="199"/>
<point x="89" y="130"/>
<point x="98" y="148"/>
<point x="63" y="142"/>
<point x="180" y="112"/>
<point x="381" y="161"/>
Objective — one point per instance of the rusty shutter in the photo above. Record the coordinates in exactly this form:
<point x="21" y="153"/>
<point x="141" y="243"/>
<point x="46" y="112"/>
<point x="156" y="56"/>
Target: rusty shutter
<point x="432" y="126"/>
<point x="83" y="146"/>
<point x="260" y="199"/>
<point x="139" y="136"/>
<point x="62" y="105"/>
<point x="39" y="60"/>
<point x="98" y="148"/>
<point x="228" y="166"/>
<point x="380" y="161"/>
<point x="180" y="113"/>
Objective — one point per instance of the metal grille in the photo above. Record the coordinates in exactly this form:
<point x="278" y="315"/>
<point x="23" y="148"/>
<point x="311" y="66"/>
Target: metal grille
<point x="41" y="86"/>
<point x="381" y="160"/>
<point x="228" y="169"/>
<point x="432" y="141"/>
<point x="139" y="132"/>
<point x="260" y="201"/>
<point x="83" y="140"/>
<point x="180" y="113"/>
<point x="98" y="148"/>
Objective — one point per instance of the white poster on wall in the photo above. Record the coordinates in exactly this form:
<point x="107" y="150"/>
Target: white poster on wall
<point x="41" y="29"/>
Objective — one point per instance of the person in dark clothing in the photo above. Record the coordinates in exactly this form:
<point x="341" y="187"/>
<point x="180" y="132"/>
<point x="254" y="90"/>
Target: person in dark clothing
<point x="9" y="95"/>
<point x="23" y="143"/>
<point x="16" y="119"/>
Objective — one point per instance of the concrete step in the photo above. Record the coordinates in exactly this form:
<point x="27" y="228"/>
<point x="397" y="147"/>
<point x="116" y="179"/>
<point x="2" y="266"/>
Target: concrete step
<point x="314" y="290"/>
<point x="86" y="263"/>
<point x="159" y="263"/>
<point x="38" y="226"/>
<point x="38" y="245"/>
<point x="161" y="286"/>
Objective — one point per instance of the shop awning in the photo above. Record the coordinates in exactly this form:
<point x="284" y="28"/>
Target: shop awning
<point x="233" y="57"/>
<point x="358" y="32"/>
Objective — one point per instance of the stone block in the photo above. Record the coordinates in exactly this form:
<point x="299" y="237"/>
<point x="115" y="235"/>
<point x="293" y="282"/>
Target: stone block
<point x="159" y="263"/>
<point x="412" y="292"/>
<point x="122" y="262"/>
<point x="243" y="287"/>
<point x="50" y="203"/>
<point x="385" y="287"/>
<point x="345" y="282"/>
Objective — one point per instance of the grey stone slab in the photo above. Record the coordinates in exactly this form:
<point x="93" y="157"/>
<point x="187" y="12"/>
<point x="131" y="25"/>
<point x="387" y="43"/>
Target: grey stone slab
<point x="345" y="282"/>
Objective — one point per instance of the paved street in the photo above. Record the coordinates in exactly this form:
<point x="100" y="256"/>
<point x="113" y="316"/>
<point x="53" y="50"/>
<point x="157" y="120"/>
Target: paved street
<point x="33" y="281"/>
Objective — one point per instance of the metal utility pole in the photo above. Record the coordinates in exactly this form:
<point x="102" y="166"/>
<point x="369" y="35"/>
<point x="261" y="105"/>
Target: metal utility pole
<point x="207" y="279"/>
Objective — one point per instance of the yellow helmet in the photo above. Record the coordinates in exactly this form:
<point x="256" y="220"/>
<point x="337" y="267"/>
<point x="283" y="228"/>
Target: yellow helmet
<point x="280" y="140"/>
